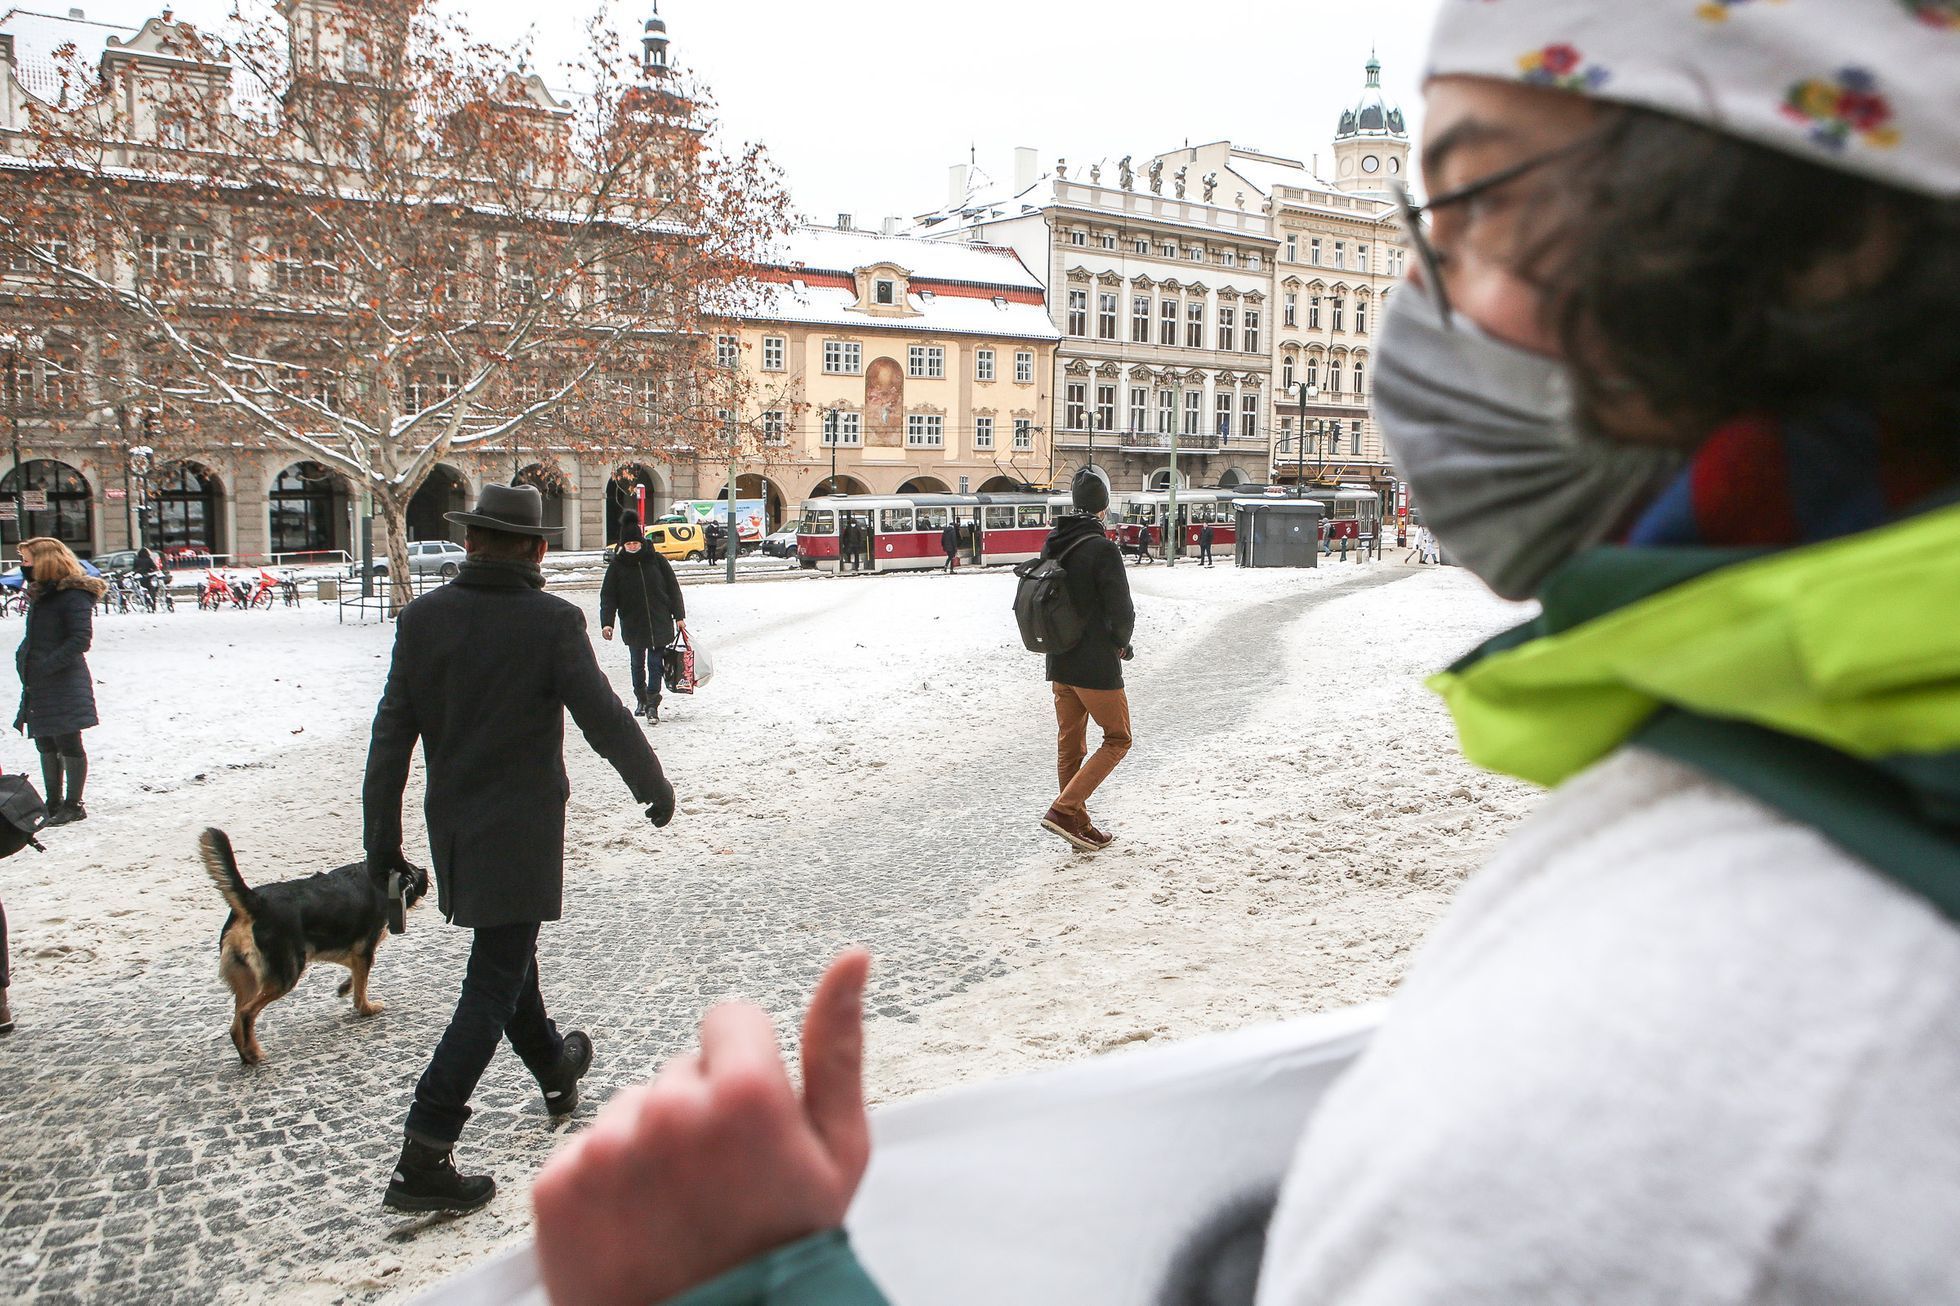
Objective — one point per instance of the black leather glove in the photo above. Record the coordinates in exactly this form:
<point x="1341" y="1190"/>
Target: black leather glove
<point x="661" y="809"/>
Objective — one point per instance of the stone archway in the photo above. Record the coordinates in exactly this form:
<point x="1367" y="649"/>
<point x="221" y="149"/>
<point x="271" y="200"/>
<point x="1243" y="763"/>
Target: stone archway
<point x="748" y="485"/>
<point x="840" y="485"/>
<point x="306" y="510"/>
<point x="187" y="502"/>
<point x="550" y="481"/>
<point x="446" y="490"/>
<point x="1001" y="485"/>
<point x="66" y="517"/>
<point x="924" y="485"/>
<point x="1232" y="479"/>
<point x="620" y="496"/>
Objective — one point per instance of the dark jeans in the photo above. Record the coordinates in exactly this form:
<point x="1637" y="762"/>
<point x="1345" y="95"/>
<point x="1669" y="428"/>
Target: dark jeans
<point x="637" y="658"/>
<point x="1204" y="555"/>
<point x="500" y="999"/>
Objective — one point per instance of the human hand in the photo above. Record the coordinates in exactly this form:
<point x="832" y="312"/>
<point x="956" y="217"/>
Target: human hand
<point x="715" y="1162"/>
<point x="606" y="631"/>
<point x="1126" y="652"/>
<point x="661" y="809"/>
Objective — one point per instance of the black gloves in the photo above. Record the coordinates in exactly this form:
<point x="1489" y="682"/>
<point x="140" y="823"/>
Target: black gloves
<point x="661" y="809"/>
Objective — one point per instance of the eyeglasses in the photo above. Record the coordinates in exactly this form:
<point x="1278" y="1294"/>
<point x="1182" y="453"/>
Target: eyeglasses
<point x="1411" y="214"/>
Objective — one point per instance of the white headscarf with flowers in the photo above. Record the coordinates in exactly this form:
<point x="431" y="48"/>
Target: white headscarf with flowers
<point x="1865" y="86"/>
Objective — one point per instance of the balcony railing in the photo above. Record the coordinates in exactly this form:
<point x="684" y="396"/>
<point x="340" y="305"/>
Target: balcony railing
<point x="1157" y="442"/>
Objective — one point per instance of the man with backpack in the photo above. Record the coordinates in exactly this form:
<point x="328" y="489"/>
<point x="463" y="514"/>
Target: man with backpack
<point x="1074" y="606"/>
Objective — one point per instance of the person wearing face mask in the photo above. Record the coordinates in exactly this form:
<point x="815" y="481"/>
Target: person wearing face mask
<point x="1677" y="361"/>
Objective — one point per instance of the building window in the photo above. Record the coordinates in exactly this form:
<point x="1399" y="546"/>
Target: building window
<point x="1361" y="257"/>
<point x="844" y="430"/>
<point x="843" y="357"/>
<point x="925" y="431"/>
<point x="1075" y="406"/>
<point x="1286" y="372"/>
<point x="1313" y="312"/>
<point x="1221" y="418"/>
<point x="1194" y="324"/>
<point x="1024" y="367"/>
<point x="1106" y="315"/>
<point x="1286" y="435"/>
<point x="1255" y="260"/>
<point x="1107" y="242"/>
<point x="775" y="354"/>
<point x="1395" y="263"/>
<point x="1023" y="433"/>
<point x="1292" y="249"/>
<point x="1140" y="320"/>
<point x="983" y="364"/>
<point x="1195" y="254"/>
<point x="887" y="292"/>
<point x="1227" y="326"/>
<point x="1078" y="238"/>
<point x="1340" y="309"/>
<point x="1252" y="331"/>
<point x="1166" y="411"/>
<point x="1340" y="253"/>
<point x="728" y="351"/>
<point x="1167" y="251"/>
<point x="1139" y="408"/>
<point x="1291" y="314"/>
<point x="983" y="433"/>
<point x="1333" y="376"/>
<point x="1194" y="401"/>
<point x="1358" y="388"/>
<point x="1140" y="245"/>
<point x="1231" y="258"/>
<point x="1313" y="371"/>
<point x="1248" y="417"/>
<point x="1167" y="328"/>
<point x="1361" y="317"/>
<point x="927" y="362"/>
<point x="176" y="257"/>
<point x="1354" y="434"/>
<point x="1314" y="249"/>
<point x="1078" y="312"/>
<point x="1106" y="407"/>
<point x="775" y="427"/>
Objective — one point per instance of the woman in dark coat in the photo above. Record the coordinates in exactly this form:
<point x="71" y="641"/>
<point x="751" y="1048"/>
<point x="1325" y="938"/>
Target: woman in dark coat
<point x="57" y="694"/>
<point x="642" y="596"/>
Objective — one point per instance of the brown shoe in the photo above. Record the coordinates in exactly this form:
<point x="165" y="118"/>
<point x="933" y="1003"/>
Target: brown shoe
<point x="1075" y="829"/>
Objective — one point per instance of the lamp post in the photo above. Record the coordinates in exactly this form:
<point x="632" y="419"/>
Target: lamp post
<point x="14" y="347"/>
<point x="1308" y="391"/>
<point x="830" y="429"/>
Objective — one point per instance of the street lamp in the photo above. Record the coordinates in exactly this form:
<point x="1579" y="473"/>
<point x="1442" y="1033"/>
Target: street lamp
<point x="1308" y="391"/>
<point x="830" y="429"/>
<point x="14" y="347"/>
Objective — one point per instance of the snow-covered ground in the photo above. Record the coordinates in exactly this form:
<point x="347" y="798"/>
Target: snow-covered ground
<point x="1292" y="818"/>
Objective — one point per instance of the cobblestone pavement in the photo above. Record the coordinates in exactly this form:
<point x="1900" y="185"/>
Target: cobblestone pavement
<point x="141" y="1162"/>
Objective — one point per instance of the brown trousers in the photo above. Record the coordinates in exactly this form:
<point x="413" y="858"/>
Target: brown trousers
<point x="1073" y="709"/>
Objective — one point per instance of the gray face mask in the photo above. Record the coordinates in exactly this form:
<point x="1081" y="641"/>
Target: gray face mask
<point x="1498" y="461"/>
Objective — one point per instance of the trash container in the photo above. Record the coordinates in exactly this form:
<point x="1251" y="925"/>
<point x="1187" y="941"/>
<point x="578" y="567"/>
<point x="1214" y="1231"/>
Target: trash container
<point x="1281" y="533"/>
<point x="328" y="591"/>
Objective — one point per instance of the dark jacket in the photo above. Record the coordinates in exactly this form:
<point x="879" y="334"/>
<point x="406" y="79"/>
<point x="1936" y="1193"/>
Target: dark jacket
<point x="57" y="694"/>
<point x="642" y="597"/>
<point x="1206" y="535"/>
<point x="1101" y="591"/>
<point x="484" y="670"/>
<point x="949" y="540"/>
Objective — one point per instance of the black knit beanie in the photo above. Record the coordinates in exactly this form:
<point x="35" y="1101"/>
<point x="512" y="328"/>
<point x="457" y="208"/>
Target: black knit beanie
<point x="1088" y="493"/>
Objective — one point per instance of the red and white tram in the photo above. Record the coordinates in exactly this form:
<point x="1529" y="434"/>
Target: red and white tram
<point x="902" y="531"/>
<point x="1146" y="513"/>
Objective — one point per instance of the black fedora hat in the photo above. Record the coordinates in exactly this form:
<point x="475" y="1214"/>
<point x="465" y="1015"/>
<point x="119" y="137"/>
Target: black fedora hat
<point x="513" y="509"/>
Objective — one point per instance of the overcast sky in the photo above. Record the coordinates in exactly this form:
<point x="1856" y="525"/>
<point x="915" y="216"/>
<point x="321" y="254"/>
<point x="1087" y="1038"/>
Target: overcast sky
<point x="865" y="104"/>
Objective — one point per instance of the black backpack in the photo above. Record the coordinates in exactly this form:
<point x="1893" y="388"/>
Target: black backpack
<point x="1043" y="606"/>
<point x="22" y="814"/>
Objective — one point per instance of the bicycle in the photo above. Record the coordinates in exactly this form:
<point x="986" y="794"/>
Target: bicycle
<point x="289" y="588"/>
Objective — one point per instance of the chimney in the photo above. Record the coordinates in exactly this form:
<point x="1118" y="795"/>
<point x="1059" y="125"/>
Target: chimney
<point x="843" y="222"/>
<point x="891" y="226"/>
<point x="77" y="14"/>
<point x="956" y="186"/>
<point x="1025" y="167"/>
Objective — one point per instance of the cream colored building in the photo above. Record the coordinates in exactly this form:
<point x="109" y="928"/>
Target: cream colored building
<point x="885" y="364"/>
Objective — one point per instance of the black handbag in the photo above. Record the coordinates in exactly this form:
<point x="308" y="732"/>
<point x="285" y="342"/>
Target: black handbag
<point x="22" y="814"/>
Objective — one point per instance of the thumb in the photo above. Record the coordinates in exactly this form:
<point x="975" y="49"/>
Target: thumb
<point x="833" y="1062"/>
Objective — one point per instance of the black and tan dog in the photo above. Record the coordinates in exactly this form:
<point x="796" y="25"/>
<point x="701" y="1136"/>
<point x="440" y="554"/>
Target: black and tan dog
<point x="274" y="933"/>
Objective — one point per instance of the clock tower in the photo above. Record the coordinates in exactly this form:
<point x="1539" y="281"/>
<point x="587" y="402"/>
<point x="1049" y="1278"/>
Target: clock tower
<point x="1371" y="146"/>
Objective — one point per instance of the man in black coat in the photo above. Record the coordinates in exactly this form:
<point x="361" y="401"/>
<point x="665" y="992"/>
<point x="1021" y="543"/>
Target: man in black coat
<point x="1207" y="535"/>
<point x="949" y="544"/>
<point x="1087" y="680"/>
<point x="484" y="670"/>
<point x="642" y="596"/>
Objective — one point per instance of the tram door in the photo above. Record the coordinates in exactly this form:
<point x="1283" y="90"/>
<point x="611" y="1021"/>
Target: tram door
<point x="969" y="524"/>
<point x="861" y="520"/>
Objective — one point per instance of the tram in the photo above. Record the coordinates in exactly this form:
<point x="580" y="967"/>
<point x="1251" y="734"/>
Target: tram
<point x="902" y="531"/>
<point x="1348" y="512"/>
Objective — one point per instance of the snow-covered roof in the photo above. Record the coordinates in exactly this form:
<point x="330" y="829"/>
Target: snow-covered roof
<point x="934" y="313"/>
<point x="822" y="249"/>
<point x="38" y="36"/>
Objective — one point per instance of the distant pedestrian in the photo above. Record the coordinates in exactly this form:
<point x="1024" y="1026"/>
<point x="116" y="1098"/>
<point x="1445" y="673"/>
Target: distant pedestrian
<point x="1207" y="534"/>
<point x="641" y="596"/>
<point x="57" y="693"/>
<point x="711" y="536"/>
<point x="1427" y="547"/>
<point x="949" y="543"/>
<point x="484" y="670"/>
<point x="1087" y="680"/>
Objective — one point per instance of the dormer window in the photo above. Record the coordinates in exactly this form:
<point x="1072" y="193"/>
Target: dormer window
<point x="885" y="292"/>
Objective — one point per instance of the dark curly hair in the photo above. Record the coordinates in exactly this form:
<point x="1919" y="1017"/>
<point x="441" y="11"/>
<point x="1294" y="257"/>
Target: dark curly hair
<point x="1684" y="266"/>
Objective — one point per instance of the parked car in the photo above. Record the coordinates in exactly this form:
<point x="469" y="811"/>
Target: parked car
<point x="677" y="541"/>
<point x="120" y="560"/>
<point x="782" y="544"/>
<point x="442" y="558"/>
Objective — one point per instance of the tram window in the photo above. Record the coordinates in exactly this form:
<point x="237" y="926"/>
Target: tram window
<point x="1033" y="515"/>
<point x="894" y="519"/>
<point x="818" y="523"/>
<point x="1000" y="517"/>
<point x="934" y="519"/>
<point x="1139" y="513"/>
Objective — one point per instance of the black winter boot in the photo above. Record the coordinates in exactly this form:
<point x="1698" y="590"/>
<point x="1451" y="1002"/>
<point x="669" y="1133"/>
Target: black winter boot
<point x="640" y="706"/>
<point x="560" y="1083"/>
<point x="51" y="782"/>
<point x="70" y="809"/>
<point x="425" y="1179"/>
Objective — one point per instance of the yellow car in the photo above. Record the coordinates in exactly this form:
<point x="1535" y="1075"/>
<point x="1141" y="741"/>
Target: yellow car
<point x="677" y="541"/>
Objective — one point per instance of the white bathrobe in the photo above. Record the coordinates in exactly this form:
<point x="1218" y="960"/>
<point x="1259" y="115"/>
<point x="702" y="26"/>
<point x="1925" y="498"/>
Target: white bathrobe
<point x="1668" y="1047"/>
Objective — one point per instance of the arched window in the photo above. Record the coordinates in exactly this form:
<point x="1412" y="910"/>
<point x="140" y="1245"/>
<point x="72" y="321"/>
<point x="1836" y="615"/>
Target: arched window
<point x="187" y="500"/>
<point x="1358" y="387"/>
<point x="1333" y="376"/>
<point x="1313" y="370"/>
<point x="1286" y="372"/>
<point x="308" y="509"/>
<point x="66" y="516"/>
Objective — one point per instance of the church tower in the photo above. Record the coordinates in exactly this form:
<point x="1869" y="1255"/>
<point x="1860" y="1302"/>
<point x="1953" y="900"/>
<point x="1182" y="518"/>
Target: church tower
<point x="1371" y="145"/>
<point x="653" y="45"/>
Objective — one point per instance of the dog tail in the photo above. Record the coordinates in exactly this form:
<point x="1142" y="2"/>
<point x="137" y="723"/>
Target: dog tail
<point x="222" y="866"/>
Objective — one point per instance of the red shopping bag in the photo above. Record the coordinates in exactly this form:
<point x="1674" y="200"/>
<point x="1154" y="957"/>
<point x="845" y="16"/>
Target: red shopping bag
<point x="686" y="667"/>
